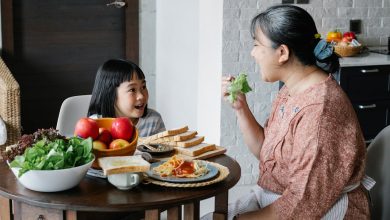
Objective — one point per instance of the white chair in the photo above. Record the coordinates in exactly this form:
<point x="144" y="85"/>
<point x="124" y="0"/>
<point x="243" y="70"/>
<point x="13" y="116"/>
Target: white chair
<point x="72" y="109"/>
<point x="378" y="167"/>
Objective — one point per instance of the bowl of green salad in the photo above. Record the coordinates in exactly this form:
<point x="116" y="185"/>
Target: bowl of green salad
<point x="48" y="162"/>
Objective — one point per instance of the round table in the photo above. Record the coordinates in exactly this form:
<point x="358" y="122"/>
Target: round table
<point x="96" y="195"/>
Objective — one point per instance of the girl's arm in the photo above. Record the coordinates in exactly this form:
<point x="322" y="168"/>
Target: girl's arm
<point x="252" y="132"/>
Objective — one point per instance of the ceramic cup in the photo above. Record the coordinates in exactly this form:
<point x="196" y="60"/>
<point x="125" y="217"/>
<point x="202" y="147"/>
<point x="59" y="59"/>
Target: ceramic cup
<point x="125" y="181"/>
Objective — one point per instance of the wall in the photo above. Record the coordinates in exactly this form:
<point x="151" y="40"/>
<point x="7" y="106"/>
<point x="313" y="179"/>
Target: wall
<point x="177" y="61"/>
<point x="237" y="43"/>
<point x="147" y="46"/>
<point x="188" y="64"/>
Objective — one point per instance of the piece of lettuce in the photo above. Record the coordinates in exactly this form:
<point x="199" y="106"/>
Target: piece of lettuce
<point x="54" y="155"/>
<point x="239" y="84"/>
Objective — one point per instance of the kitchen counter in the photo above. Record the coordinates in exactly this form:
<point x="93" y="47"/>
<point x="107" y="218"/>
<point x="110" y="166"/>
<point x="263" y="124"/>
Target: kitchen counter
<point x="365" y="59"/>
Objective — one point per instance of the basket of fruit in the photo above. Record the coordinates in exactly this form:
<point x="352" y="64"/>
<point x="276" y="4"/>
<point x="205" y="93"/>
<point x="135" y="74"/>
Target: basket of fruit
<point x="345" y="45"/>
<point x="111" y="136"/>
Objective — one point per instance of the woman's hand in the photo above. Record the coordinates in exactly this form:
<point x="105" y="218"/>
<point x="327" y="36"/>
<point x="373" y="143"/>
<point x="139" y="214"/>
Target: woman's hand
<point x="241" y="98"/>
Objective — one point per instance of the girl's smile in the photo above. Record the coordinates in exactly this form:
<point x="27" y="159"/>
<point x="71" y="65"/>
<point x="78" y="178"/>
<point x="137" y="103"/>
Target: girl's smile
<point x="132" y="98"/>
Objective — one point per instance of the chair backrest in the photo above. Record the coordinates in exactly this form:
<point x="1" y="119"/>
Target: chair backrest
<point x="378" y="167"/>
<point x="72" y="109"/>
<point x="10" y="105"/>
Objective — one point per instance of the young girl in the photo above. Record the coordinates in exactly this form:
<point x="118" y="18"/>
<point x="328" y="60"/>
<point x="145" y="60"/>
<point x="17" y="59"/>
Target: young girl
<point x="120" y="91"/>
<point x="311" y="150"/>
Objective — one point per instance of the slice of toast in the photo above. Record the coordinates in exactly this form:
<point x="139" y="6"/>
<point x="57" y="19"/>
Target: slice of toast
<point x="123" y="164"/>
<point x="185" y="136"/>
<point x="196" y="150"/>
<point x="160" y="137"/>
<point x="172" y="132"/>
<point x="188" y="143"/>
<point x="180" y="137"/>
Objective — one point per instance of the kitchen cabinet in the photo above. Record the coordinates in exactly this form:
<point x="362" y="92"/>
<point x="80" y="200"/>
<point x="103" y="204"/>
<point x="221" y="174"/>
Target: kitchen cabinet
<point x="368" y="87"/>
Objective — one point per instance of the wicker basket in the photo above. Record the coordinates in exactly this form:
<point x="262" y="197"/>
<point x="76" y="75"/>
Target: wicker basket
<point x="9" y="105"/>
<point x="347" y="51"/>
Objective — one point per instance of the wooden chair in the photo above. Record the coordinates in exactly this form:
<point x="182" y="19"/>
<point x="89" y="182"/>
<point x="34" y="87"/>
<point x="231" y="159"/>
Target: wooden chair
<point x="9" y="105"/>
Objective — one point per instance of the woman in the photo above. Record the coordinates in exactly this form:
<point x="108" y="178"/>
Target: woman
<point x="311" y="150"/>
<point x="120" y="91"/>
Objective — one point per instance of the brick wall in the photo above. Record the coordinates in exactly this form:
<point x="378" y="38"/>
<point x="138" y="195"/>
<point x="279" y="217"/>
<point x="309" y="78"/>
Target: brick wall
<point x="237" y="44"/>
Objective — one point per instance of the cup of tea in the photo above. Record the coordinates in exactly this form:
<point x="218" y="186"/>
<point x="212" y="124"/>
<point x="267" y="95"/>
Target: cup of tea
<point x="125" y="181"/>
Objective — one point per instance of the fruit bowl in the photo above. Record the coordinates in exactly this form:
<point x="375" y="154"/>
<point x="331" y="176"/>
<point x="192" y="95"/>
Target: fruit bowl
<point x="52" y="180"/>
<point x="347" y="51"/>
<point x="127" y="150"/>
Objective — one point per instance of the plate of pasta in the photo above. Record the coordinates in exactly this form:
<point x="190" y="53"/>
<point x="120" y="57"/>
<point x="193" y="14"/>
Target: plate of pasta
<point x="178" y="170"/>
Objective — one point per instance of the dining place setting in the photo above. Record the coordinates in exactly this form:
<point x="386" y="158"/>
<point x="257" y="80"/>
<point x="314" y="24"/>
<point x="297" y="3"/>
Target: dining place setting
<point x="172" y="158"/>
<point x="82" y="174"/>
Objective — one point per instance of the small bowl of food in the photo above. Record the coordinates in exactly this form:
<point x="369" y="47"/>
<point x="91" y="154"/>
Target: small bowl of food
<point x="156" y="149"/>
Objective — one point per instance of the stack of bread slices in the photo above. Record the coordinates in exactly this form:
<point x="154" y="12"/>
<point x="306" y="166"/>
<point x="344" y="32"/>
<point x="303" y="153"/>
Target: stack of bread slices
<point x="185" y="141"/>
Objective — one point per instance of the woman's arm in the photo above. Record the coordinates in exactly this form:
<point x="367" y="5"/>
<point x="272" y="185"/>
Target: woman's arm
<point x="252" y="132"/>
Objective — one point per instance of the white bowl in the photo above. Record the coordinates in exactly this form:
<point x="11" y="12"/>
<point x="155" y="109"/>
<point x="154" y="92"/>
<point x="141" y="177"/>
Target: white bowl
<point x="125" y="181"/>
<point x="52" y="180"/>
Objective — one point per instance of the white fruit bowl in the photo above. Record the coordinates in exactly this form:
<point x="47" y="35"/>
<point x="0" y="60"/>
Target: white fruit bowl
<point x="52" y="180"/>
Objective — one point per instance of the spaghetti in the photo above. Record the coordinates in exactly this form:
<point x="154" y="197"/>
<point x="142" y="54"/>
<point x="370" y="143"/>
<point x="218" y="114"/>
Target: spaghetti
<point x="178" y="167"/>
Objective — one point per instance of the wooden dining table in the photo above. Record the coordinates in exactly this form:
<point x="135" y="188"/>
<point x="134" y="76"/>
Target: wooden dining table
<point x="96" y="198"/>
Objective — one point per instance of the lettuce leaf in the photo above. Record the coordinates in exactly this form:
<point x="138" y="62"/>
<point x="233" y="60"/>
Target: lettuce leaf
<point x="240" y="84"/>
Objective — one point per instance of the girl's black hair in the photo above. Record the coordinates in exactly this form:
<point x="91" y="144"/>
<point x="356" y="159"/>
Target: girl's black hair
<point x="294" y="27"/>
<point x="109" y="76"/>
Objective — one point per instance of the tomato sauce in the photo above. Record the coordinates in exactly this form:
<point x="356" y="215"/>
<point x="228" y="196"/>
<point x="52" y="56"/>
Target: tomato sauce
<point x="187" y="167"/>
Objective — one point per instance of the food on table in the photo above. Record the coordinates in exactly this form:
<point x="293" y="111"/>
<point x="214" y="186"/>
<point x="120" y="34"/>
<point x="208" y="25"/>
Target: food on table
<point x="335" y="36"/>
<point x="50" y="151"/>
<point x="114" y="135"/>
<point x="178" y="167"/>
<point x="118" y="143"/>
<point x="86" y="127"/>
<point x="123" y="164"/>
<point x="196" y="150"/>
<point x="349" y="36"/>
<point x="122" y="128"/>
<point x="156" y="147"/>
<point x="99" y="145"/>
<point x="239" y="84"/>
<point x="185" y="142"/>
<point x="105" y="135"/>
<point x="28" y="140"/>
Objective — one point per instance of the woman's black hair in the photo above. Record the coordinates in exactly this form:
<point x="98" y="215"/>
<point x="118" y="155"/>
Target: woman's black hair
<point x="109" y="76"/>
<point x="294" y="27"/>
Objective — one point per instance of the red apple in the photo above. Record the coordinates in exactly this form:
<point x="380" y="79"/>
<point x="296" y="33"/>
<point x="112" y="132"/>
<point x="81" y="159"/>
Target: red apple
<point x="118" y="143"/>
<point x="99" y="145"/>
<point x="86" y="127"/>
<point x="349" y="35"/>
<point x="346" y="40"/>
<point x="104" y="135"/>
<point x="122" y="128"/>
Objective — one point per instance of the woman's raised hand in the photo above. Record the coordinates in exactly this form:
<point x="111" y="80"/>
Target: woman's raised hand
<point x="241" y="99"/>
